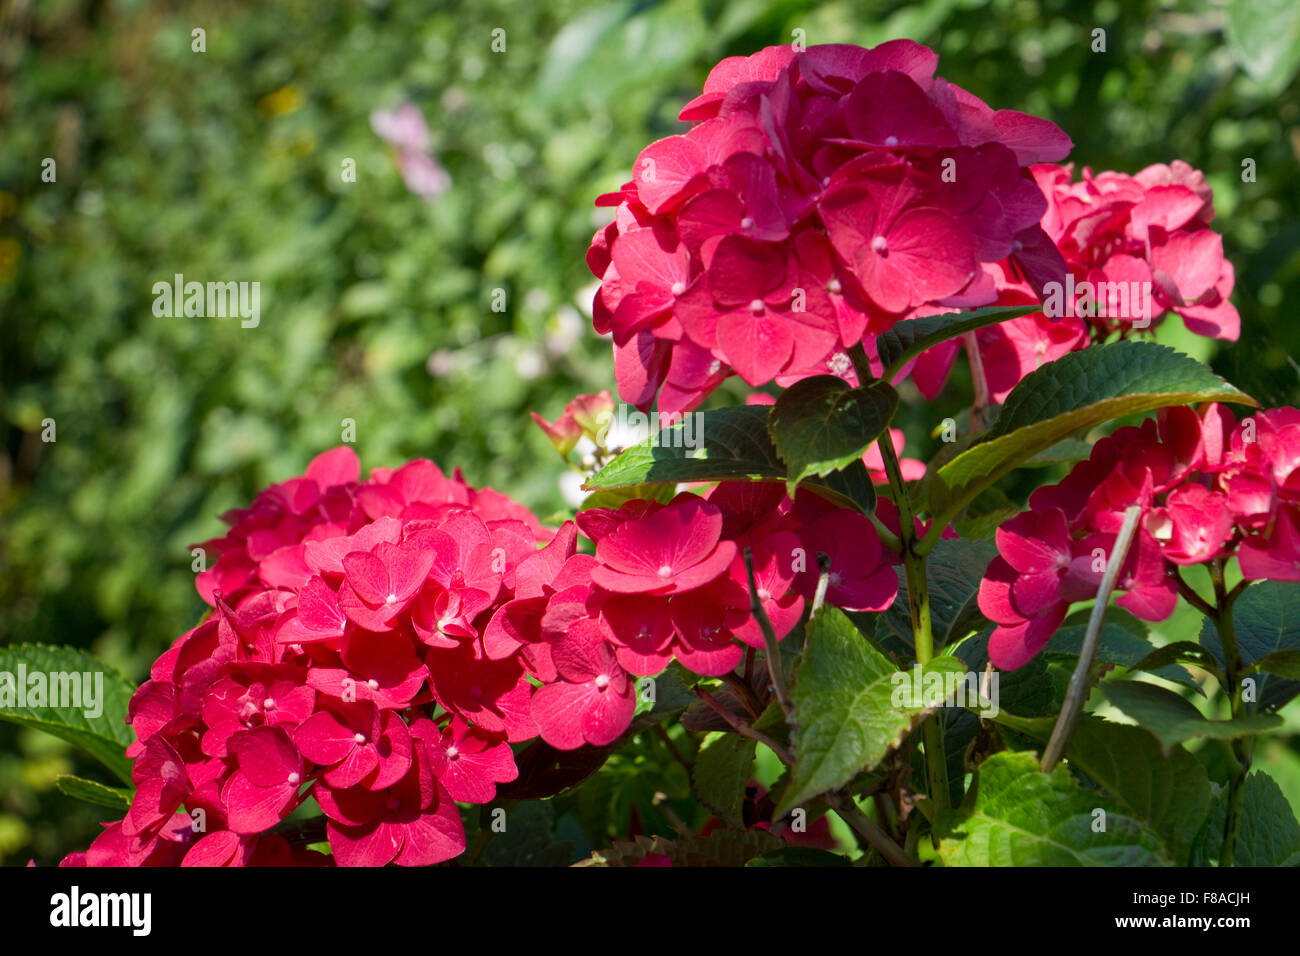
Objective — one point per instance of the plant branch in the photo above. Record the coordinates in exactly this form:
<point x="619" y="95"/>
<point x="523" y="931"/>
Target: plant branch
<point x="1080" y="681"/>
<point x="869" y="830"/>
<point x="980" y="381"/>
<point x="774" y="668"/>
<point x="1188" y="594"/>
<point x="742" y="728"/>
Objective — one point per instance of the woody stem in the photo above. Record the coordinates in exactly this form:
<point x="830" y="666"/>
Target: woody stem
<point x="978" y="380"/>
<point x="1081" y="680"/>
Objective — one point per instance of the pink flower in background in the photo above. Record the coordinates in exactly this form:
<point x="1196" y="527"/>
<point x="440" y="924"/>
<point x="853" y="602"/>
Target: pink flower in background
<point x="405" y="128"/>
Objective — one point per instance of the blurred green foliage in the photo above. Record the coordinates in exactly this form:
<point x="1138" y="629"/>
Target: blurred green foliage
<point x="376" y="305"/>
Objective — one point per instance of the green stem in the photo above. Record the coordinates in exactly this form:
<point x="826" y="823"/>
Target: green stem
<point x="918" y="601"/>
<point x="1242" y="747"/>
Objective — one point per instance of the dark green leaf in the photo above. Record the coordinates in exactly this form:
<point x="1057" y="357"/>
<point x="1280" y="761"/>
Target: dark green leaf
<point x="1071" y="395"/>
<point x="721" y="771"/>
<point x="908" y="339"/>
<point x="1267" y="831"/>
<point x="953" y="572"/>
<point x="1116" y="645"/>
<point x="800" y="856"/>
<point x="820" y="424"/>
<point x="1173" y="719"/>
<point x="723" y="444"/>
<point x="1266" y="618"/>
<point x="1283" y="663"/>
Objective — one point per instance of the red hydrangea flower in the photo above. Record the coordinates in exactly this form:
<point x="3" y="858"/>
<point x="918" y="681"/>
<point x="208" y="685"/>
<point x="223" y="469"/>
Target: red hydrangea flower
<point x="346" y="662"/>
<point x="1209" y="488"/>
<point x="1136" y="248"/>
<point x="818" y="196"/>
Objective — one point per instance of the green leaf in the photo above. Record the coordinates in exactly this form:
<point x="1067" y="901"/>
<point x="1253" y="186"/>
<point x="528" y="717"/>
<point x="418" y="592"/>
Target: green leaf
<point x="91" y="791"/>
<point x="1266" y="618"/>
<point x="906" y="340"/>
<point x="1173" y="719"/>
<point x="617" y="497"/>
<point x="723" y="444"/>
<point x="104" y="735"/>
<point x="1282" y="663"/>
<point x="718" y="445"/>
<point x="1116" y="645"/>
<point x="820" y="424"/>
<point x="1267" y="831"/>
<point x="989" y="510"/>
<point x="672" y="694"/>
<point x="1018" y="816"/>
<point x="1075" y="393"/>
<point x="1027" y="690"/>
<point x="851" y="705"/>
<point x="1159" y="660"/>
<point x="953" y="572"/>
<point x="1171" y="794"/>
<point x="800" y="856"/>
<point x="721" y="771"/>
<point x="1264" y="37"/>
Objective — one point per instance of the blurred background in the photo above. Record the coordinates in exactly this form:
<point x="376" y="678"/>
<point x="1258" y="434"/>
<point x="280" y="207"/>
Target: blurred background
<point x="377" y="304"/>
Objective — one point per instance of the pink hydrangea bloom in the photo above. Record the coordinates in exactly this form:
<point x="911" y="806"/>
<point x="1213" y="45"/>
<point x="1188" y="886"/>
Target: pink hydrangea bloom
<point x="1209" y="488"/>
<point x="346" y="662"/>
<point x="819" y="196"/>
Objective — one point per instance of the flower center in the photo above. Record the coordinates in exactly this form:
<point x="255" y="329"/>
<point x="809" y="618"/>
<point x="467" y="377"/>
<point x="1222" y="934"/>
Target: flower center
<point x="452" y="752"/>
<point x="372" y="684"/>
<point x="294" y="778"/>
<point x="880" y="245"/>
<point x="268" y="704"/>
<point x="679" y="287"/>
<point x="391" y="599"/>
<point x="834" y="287"/>
<point x="602" y="681"/>
<point x="756" y="307"/>
<point x="747" y="222"/>
<point x="891" y="140"/>
<point x="665" y="571"/>
<point x="359" y="737"/>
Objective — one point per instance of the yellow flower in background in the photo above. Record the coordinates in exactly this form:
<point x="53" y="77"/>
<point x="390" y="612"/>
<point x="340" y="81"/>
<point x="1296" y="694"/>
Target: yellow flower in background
<point x="287" y="99"/>
<point x="10" y="252"/>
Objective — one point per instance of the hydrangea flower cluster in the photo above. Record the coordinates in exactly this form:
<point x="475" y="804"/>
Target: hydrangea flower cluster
<point x="670" y="581"/>
<point x="350" y="658"/>
<point x="1136" y="248"/>
<point x="819" y="196"/>
<point x="1208" y="487"/>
